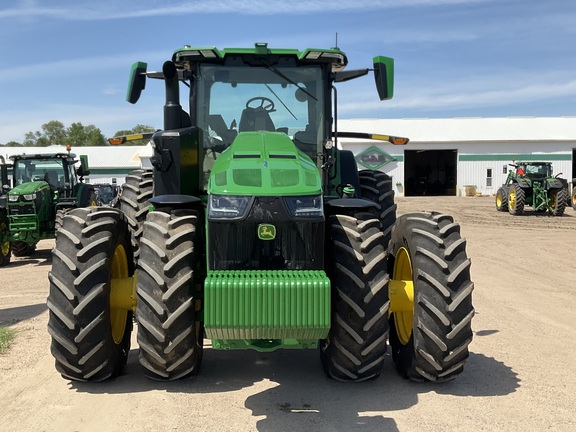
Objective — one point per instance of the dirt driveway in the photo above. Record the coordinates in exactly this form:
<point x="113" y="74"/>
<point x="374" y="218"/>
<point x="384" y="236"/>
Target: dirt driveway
<point x="520" y="375"/>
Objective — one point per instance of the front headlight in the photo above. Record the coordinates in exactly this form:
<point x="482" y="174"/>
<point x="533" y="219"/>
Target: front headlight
<point x="29" y="197"/>
<point x="228" y="206"/>
<point x="309" y="206"/>
<point x="13" y="198"/>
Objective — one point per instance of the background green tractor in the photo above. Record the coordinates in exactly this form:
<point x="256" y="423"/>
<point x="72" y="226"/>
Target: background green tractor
<point x="5" y="245"/>
<point x="533" y="184"/>
<point x="256" y="231"/>
<point x="43" y="188"/>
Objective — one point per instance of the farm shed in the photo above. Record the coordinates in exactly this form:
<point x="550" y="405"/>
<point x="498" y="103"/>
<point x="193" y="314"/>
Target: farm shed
<point x="461" y="155"/>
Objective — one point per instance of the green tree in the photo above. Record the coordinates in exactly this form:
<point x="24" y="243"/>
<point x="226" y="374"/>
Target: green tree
<point x="13" y="144"/>
<point x="54" y="133"/>
<point x="95" y="137"/>
<point x="76" y="135"/>
<point x="80" y="135"/>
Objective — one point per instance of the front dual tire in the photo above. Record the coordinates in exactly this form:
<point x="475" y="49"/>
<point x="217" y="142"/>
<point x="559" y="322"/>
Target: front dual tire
<point x="89" y="321"/>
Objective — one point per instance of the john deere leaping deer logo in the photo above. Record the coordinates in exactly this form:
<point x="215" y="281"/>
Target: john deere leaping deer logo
<point x="266" y="232"/>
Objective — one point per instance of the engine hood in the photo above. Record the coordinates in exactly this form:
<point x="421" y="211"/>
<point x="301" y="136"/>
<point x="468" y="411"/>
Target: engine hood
<point x="264" y="164"/>
<point x="29" y="188"/>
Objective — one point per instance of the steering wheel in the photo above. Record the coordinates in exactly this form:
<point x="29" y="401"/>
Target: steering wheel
<point x="266" y="103"/>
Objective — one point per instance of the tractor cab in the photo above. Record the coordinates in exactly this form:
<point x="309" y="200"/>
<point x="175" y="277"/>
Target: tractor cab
<point x="536" y="170"/>
<point x="279" y="98"/>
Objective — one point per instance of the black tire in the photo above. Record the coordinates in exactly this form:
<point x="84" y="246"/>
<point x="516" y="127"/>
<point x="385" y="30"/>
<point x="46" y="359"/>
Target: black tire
<point x="169" y="335"/>
<point x="356" y="344"/>
<point x="90" y="337"/>
<point x="23" y="249"/>
<point x="136" y="192"/>
<point x="429" y="338"/>
<point x="59" y="219"/>
<point x="377" y="186"/>
<point x="516" y="199"/>
<point x="557" y="202"/>
<point x="6" y="246"/>
<point x="502" y="200"/>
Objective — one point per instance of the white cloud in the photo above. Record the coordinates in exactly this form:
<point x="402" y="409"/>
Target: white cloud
<point x="109" y="10"/>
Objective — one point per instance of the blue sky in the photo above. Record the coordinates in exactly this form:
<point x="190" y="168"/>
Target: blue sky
<point x="69" y="60"/>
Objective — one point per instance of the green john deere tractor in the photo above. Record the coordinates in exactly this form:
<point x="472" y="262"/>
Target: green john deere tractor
<point x="44" y="187"/>
<point x="533" y="184"/>
<point x="5" y="246"/>
<point x="256" y="231"/>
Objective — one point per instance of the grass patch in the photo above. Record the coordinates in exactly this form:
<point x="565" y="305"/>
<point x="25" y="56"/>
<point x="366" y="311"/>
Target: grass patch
<point x="6" y="337"/>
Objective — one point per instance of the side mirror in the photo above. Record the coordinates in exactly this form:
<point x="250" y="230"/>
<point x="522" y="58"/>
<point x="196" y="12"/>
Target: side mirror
<point x="384" y="76"/>
<point x="83" y="170"/>
<point x="137" y="82"/>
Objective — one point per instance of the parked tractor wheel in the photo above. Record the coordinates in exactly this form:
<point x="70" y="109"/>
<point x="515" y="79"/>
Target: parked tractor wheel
<point x="356" y="344"/>
<point x="169" y="335"/>
<point x="23" y="249"/>
<point x="502" y="199"/>
<point x="574" y="197"/>
<point x="89" y="320"/>
<point x="557" y="202"/>
<point x="136" y="192"/>
<point x="430" y="297"/>
<point x="377" y="186"/>
<point x="5" y="247"/>
<point x="516" y="199"/>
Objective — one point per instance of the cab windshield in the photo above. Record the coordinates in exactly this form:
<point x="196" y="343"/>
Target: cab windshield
<point x="48" y="170"/>
<point x="236" y="99"/>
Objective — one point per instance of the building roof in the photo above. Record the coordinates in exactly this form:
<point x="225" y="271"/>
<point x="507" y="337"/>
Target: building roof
<point x="469" y="129"/>
<point x="98" y="157"/>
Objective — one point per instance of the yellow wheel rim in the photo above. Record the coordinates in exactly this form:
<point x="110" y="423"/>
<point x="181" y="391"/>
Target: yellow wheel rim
<point x="401" y="293"/>
<point x="553" y="200"/>
<point x="499" y="200"/>
<point x="118" y="292"/>
<point x="512" y="198"/>
<point x="4" y="247"/>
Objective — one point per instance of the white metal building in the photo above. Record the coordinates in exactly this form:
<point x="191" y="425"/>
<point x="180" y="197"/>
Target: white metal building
<point x="461" y="154"/>
<point x="443" y="157"/>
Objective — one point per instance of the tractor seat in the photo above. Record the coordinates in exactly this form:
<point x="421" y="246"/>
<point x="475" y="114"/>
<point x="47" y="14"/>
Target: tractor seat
<point x="306" y="141"/>
<point x="51" y="177"/>
<point x="256" y="119"/>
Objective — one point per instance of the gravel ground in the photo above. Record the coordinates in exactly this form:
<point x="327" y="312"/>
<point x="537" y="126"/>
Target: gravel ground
<point x="518" y="377"/>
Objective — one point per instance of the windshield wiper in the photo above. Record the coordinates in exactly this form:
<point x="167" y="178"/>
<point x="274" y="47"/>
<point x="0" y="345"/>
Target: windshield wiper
<point x="281" y="75"/>
<point x="281" y="101"/>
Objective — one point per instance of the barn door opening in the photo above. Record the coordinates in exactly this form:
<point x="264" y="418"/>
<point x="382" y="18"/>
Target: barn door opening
<point x="430" y="172"/>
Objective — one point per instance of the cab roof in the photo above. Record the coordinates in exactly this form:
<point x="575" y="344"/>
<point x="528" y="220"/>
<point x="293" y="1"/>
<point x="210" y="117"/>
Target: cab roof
<point x="44" y="156"/>
<point x="184" y="56"/>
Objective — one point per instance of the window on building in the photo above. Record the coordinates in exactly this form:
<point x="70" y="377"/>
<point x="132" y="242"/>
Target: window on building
<point x="489" y="177"/>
